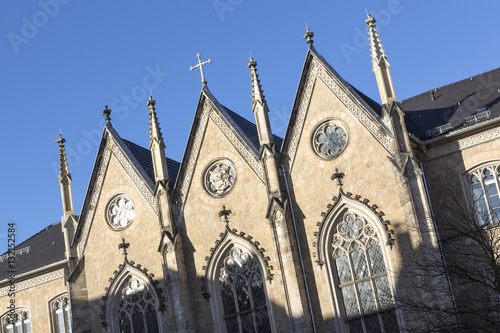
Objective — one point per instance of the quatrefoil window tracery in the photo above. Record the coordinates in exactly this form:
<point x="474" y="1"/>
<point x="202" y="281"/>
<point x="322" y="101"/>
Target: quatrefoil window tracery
<point x="330" y="139"/>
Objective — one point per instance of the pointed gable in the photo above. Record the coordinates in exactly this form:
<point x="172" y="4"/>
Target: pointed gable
<point x="134" y="159"/>
<point x="240" y="132"/>
<point x="363" y="108"/>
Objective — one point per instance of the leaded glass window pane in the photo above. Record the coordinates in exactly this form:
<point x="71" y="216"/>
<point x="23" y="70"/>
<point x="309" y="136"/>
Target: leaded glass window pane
<point x="383" y="292"/>
<point x="350" y="303"/>
<point x="492" y="192"/>
<point x="376" y="257"/>
<point x="359" y="261"/>
<point x="243" y="294"/>
<point x="138" y="321"/>
<point x="137" y="309"/>
<point x="68" y="318"/>
<point x="17" y="326"/>
<point x="59" y="319"/>
<point x="355" y="326"/>
<point x="232" y="324"/>
<point x="125" y="323"/>
<point x="390" y="321"/>
<point x="343" y="269"/>
<point x="366" y="297"/>
<point x="152" y="320"/>
<point x="372" y="324"/>
<point x="362" y="276"/>
<point x="27" y="326"/>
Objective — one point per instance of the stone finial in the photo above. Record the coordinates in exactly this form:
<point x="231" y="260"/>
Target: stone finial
<point x="124" y="247"/>
<point x="309" y="36"/>
<point x="63" y="162"/>
<point x="225" y="215"/>
<point x="65" y="179"/>
<point x="380" y="64"/>
<point x="157" y="145"/>
<point x="257" y="93"/>
<point x="338" y="176"/>
<point x="107" y="112"/>
<point x="376" y="46"/>
<point x="154" y="124"/>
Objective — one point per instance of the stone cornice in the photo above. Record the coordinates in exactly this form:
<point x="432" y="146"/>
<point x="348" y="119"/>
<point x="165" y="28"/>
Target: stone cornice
<point x="34" y="281"/>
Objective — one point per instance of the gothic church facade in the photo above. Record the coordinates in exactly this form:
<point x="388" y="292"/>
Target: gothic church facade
<point x="255" y="233"/>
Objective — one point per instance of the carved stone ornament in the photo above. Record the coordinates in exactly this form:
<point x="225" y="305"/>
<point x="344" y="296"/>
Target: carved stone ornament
<point x="219" y="178"/>
<point x="329" y="139"/>
<point x="120" y="212"/>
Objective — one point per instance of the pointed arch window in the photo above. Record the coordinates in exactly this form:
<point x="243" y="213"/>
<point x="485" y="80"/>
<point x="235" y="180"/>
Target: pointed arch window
<point x="135" y="307"/>
<point x="243" y="295"/>
<point x="18" y="322"/>
<point x="60" y="313"/>
<point x="360" y="275"/>
<point x="485" y="185"/>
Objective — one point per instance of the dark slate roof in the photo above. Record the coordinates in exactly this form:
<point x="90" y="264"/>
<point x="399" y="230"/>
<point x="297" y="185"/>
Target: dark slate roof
<point x="452" y="104"/>
<point x="249" y="130"/>
<point x="44" y="248"/>
<point x="143" y="156"/>
<point x="373" y="104"/>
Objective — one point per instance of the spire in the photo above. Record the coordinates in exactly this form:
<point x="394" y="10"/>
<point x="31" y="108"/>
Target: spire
<point x="65" y="179"/>
<point x="157" y="146"/>
<point x="380" y="64"/>
<point x="260" y="108"/>
<point x="257" y="93"/>
<point x="267" y="147"/>
<point x="309" y="36"/>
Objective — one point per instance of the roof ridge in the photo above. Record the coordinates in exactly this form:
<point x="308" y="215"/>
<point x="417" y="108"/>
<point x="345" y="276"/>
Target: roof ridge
<point x="450" y="84"/>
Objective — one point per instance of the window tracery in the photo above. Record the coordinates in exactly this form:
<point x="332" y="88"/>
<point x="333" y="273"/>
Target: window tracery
<point x="120" y="212"/>
<point x="135" y="308"/>
<point x="485" y="186"/>
<point x="219" y="178"/>
<point x="329" y="139"/>
<point x="243" y="294"/>
<point x="60" y="313"/>
<point x="17" y="322"/>
<point x="360" y="275"/>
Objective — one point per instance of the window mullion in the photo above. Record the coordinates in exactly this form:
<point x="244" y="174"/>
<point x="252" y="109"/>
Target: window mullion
<point x="486" y="197"/>
<point x="497" y="184"/>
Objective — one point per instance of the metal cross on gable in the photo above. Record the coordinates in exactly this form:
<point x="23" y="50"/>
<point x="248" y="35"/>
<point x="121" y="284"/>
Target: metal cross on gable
<point x="200" y="66"/>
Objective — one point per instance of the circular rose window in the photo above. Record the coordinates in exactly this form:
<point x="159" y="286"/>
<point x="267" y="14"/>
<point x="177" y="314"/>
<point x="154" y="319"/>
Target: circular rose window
<point x="329" y="139"/>
<point x="219" y="178"/>
<point x="120" y="212"/>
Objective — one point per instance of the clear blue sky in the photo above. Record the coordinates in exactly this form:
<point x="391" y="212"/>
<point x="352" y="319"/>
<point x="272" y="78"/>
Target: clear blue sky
<point x="63" y="59"/>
